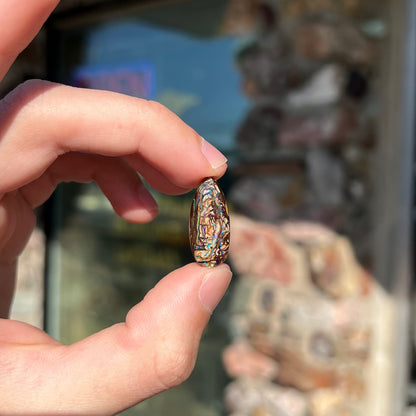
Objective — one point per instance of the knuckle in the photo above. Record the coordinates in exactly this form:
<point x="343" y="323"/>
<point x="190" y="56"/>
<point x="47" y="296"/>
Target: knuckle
<point x="21" y="97"/>
<point x="24" y="91"/>
<point x="157" y="110"/>
<point x="173" y="363"/>
<point x="156" y="106"/>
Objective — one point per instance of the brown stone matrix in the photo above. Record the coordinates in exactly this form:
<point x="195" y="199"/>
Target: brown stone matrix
<point x="209" y="225"/>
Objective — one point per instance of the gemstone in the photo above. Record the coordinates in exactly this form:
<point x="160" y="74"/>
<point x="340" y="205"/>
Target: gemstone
<point x="209" y="225"/>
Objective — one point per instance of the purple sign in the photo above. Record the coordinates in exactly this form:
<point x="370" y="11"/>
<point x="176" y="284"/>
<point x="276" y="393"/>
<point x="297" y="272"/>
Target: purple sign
<point x="134" y="78"/>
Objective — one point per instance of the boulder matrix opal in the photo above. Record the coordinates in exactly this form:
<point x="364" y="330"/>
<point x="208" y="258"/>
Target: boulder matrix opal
<point x="209" y="225"/>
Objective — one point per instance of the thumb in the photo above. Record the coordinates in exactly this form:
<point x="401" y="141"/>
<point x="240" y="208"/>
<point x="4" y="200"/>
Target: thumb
<point x="155" y="349"/>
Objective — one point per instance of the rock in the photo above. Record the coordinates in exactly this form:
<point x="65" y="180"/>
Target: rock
<point x="336" y="271"/>
<point x="295" y="369"/>
<point x="242" y="360"/>
<point x="325" y="402"/>
<point x="257" y="249"/>
<point x="349" y="8"/>
<point x="267" y="197"/>
<point x="324" y="88"/>
<point x="257" y="137"/>
<point x="260" y="65"/>
<point x="326" y="176"/>
<point x="307" y="232"/>
<point x="315" y="327"/>
<point x="209" y="225"/>
<point x="240" y="17"/>
<point x="338" y="125"/>
<point x="246" y="396"/>
<point x="335" y="39"/>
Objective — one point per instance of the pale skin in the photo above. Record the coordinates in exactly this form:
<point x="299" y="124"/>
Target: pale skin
<point x="51" y="133"/>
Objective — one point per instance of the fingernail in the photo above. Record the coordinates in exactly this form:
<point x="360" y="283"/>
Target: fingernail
<point x="213" y="286"/>
<point x="215" y="158"/>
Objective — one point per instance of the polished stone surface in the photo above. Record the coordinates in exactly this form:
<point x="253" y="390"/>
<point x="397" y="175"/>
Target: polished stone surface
<point x="209" y="225"/>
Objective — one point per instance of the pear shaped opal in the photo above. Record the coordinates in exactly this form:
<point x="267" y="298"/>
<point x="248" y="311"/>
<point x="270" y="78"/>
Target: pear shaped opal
<point x="209" y="225"/>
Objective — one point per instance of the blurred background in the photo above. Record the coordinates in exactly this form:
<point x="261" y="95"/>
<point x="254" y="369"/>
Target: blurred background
<point x="313" y="103"/>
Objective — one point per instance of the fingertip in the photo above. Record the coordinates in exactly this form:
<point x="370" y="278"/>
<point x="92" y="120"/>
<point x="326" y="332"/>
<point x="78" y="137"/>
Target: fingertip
<point x="144" y="210"/>
<point x="189" y="293"/>
<point x="213" y="286"/>
<point x="139" y="215"/>
<point x="214" y="157"/>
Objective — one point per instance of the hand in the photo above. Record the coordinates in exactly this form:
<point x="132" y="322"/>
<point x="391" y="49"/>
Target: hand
<point x="51" y="133"/>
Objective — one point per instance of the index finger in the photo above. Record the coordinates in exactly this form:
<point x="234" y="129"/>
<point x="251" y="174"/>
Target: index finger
<point x="20" y="21"/>
<point x="42" y="120"/>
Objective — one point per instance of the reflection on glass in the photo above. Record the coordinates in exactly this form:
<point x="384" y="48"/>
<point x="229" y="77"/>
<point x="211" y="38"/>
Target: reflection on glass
<point x="287" y="90"/>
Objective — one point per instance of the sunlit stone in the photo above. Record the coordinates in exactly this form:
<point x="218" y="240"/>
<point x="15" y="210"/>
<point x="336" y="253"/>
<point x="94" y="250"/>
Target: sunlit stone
<point x="209" y="225"/>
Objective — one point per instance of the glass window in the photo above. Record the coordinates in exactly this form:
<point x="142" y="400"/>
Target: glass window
<point x="291" y="92"/>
